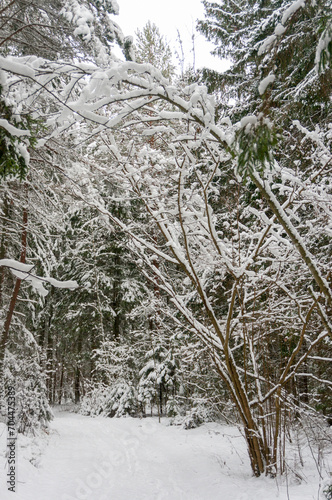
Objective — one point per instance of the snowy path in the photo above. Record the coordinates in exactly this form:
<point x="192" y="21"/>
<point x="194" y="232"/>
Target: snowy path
<point x="120" y="459"/>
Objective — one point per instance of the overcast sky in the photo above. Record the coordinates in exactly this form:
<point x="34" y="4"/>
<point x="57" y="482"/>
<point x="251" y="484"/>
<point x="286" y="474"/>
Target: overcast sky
<point x="170" y="16"/>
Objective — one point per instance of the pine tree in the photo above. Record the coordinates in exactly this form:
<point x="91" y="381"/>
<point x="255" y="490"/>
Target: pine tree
<point x="220" y="229"/>
<point x="76" y="31"/>
<point x="152" y="47"/>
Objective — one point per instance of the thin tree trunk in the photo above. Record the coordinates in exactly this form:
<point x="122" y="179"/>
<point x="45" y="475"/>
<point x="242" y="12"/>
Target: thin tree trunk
<point x="77" y="385"/>
<point x="5" y="333"/>
<point x="61" y="385"/>
<point x="3" y="245"/>
<point x="79" y="370"/>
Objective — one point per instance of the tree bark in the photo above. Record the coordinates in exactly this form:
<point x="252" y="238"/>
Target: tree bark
<point x="77" y="385"/>
<point x="5" y="333"/>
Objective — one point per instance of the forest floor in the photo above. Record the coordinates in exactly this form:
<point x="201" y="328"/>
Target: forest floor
<point x="85" y="458"/>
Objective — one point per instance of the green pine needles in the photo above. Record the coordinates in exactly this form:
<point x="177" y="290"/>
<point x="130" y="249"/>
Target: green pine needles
<point x="255" y="143"/>
<point x="324" y="49"/>
<point x="14" y="155"/>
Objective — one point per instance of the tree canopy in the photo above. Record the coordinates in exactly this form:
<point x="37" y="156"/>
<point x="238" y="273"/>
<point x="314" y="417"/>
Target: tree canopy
<point x="196" y="216"/>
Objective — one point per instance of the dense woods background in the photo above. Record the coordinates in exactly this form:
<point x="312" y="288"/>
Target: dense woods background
<point x="193" y="211"/>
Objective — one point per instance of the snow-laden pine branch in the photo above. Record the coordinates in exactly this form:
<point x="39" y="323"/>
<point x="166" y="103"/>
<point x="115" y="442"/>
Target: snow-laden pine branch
<point x="24" y="273"/>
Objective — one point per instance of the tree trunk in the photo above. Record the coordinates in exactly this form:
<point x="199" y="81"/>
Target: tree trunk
<point x="5" y="333"/>
<point x="3" y="244"/>
<point x="61" y="385"/>
<point x="77" y="385"/>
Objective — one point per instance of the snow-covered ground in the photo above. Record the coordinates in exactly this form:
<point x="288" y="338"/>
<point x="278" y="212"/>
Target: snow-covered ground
<point x="87" y="458"/>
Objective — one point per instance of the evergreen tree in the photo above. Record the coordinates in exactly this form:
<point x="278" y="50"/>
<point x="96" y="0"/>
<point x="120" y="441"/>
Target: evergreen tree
<point x="217" y="219"/>
<point x="71" y="29"/>
<point x="151" y="47"/>
<point x="76" y="31"/>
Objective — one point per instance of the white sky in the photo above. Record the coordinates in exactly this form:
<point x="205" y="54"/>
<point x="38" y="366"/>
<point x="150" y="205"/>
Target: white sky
<point x="169" y="16"/>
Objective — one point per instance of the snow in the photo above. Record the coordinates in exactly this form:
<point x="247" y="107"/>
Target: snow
<point x="115" y="6"/>
<point x="252" y="119"/>
<point x="292" y="9"/>
<point x="24" y="153"/>
<point x="69" y="284"/>
<point x="265" y="83"/>
<point x="81" y="17"/>
<point x="15" y="66"/>
<point x="120" y="459"/>
<point x="14" y="264"/>
<point x="13" y="130"/>
<point x="266" y="44"/>
<point x="279" y="30"/>
<point x="23" y="272"/>
<point x="323" y="44"/>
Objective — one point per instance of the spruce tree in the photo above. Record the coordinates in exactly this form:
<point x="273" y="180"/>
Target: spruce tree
<point x="281" y="77"/>
<point x="152" y="47"/>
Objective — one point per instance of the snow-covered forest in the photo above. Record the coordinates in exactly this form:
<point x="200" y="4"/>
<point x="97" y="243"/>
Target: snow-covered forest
<point x="165" y="233"/>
